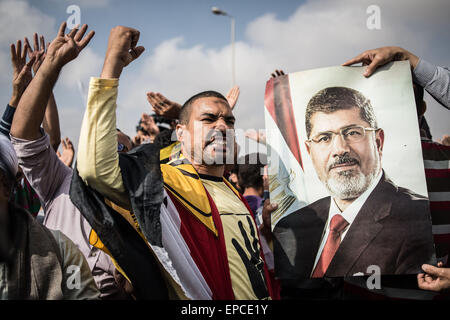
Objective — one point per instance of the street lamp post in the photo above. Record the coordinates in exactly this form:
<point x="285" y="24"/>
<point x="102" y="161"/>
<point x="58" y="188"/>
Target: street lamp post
<point x="219" y="12"/>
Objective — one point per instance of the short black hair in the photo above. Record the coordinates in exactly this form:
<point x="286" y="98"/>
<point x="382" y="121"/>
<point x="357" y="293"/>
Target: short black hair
<point x="333" y="99"/>
<point x="418" y="97"/>
<point x="250" y="174"/>
<point x="418" y="92"/>
<point x="165" y="138"/>
<point x="185" y="109"/>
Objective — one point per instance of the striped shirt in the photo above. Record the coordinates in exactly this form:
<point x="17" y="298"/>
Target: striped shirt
<point x="436" y="158"/>
<point x="434" y="79"/>
<point x="6" y="121"/>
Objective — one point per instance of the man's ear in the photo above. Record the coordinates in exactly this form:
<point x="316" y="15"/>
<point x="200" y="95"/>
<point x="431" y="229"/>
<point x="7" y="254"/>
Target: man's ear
<point x="307" y="147"/>
<point x="179" y="130"/>
<point x="379" y="139"/>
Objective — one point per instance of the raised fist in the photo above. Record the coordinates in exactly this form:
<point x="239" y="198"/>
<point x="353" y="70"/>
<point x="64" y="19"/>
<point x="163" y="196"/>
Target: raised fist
<point x="122" y="50"/>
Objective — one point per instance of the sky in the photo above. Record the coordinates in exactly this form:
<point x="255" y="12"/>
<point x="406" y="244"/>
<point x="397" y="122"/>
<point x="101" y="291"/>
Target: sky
<point x="188" y="48"/>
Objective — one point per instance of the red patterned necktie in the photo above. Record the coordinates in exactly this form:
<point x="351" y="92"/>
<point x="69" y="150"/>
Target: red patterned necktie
<point x="337" y="225"/>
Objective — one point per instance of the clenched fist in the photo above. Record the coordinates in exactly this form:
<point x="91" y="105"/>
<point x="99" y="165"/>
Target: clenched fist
<point x="122" y="50"/>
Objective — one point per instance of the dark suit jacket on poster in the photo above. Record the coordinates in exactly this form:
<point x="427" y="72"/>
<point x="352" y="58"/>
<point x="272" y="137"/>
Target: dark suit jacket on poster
<point x="392" y="230"/>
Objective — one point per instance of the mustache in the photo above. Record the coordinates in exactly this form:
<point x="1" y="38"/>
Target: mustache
<point x="345" y="159"/>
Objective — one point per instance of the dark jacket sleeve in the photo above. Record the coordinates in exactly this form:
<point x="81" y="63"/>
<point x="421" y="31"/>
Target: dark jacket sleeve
<point x="7" y="118"/>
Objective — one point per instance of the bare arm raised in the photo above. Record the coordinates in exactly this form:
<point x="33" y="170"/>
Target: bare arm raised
<point x="30" y="111"/>
<point x="51" y="118"/>
<point x="97" y="160"/>
<point x="21" y="78"/>
<point x="122" y="50"/>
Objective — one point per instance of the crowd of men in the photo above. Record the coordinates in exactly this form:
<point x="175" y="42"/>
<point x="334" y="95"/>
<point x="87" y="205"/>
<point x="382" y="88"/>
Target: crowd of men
<point x="162" y="215"/>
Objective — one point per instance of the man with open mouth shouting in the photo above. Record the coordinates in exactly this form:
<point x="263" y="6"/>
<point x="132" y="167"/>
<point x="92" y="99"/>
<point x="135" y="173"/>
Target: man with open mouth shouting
<point x="173" y="225"/>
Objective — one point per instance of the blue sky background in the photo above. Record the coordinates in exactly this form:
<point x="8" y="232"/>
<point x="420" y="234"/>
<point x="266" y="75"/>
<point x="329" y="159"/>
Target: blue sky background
<point x="188" y="48"/>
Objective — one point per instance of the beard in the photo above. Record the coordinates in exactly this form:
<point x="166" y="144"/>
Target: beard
<point x="350" y="184"/>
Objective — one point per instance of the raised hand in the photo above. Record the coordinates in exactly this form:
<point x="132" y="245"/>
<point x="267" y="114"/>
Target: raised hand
<point x="163" y="106"/>
<point x="377" y="57"/>
<point x="30" y="112"/>
<point x="266" y="226"/>
<point x="38" y="51"/>
<point x="445" y="140"/>
<point x="258" y="136"/>
<point x="68" y="152"/>
<point x="233" y="96"/>
<point x="149" y="125"/>
<point x="266" y="178"/>
<point x="122" y="50"/>
<point x="277" y="73"/>
<point x="66" y="47"/>
<point x="21" y="71"/>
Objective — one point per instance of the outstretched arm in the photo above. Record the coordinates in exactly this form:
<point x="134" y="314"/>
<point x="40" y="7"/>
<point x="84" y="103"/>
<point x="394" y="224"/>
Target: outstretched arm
<point x="434" y="79"/>
<point x="163" y="106"/>
<point x="68" y="152"/>
<point x="51" y="123"/>
<point x="98" y="160"/>
<point x="21" y="71"/>
<point x="39" y="163"/>
<point x="51" y="119"/>
<point x="378" y="57"/>
<point x="32" y="105"/>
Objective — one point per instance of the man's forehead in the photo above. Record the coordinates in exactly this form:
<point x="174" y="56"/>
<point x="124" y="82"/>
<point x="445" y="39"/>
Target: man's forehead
<point x="322" y="121"/>
<point x="212" y="105"/>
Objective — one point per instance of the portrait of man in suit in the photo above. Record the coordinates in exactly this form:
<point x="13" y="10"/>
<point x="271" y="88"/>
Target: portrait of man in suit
<point x="367" y="219"/>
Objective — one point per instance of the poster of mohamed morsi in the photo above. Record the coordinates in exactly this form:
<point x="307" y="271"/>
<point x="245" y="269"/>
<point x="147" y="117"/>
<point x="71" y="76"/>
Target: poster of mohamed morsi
<point x="346" y="170"/>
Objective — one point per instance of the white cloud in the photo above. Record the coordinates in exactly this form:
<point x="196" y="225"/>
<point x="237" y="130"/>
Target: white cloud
<point x="19" y="19"/>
